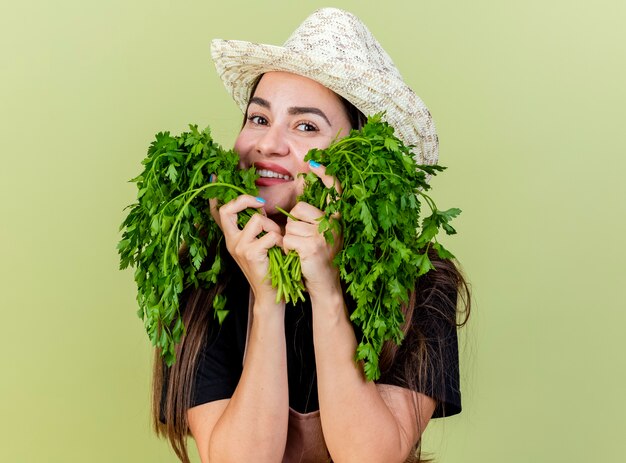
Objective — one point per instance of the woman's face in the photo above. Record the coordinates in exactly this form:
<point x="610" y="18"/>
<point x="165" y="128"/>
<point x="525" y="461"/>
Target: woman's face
<point x="287" y="116"/>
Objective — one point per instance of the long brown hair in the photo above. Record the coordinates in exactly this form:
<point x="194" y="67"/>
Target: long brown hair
<point x="172" y="387"/>
<point x="434" y="298"/>
<point x="440" y="303"/>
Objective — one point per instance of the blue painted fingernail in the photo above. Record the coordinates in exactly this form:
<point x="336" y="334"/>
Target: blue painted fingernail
<point x="314" y="164"/>
<point x="261" y="200"/>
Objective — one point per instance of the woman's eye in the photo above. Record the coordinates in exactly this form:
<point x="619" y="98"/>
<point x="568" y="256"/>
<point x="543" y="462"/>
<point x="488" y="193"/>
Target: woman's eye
<point x="306" y="127"/>
<point x="259" y="120"/>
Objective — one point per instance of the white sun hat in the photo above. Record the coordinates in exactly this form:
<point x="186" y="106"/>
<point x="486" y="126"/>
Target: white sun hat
<point x="334" y="48"/>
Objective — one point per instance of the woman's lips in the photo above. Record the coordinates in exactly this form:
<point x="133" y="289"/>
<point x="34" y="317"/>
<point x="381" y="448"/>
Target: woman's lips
<point x="272" y="167"/>
<point x="272" y="174"/>
<point x="264" y="181"/>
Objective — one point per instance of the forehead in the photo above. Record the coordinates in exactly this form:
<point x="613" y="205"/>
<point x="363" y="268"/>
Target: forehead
<point x="292" y="89"/>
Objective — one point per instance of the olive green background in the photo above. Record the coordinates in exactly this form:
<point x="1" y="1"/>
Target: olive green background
<point x="529" y="100"/>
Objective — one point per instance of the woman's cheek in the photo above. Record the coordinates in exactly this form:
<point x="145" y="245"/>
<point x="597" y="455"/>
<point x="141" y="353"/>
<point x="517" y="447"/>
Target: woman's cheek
<point x="298" y="188"/>
<point x="243" y="158"/>
<point x="299" y="184"/>
<point x="241" y="147"/>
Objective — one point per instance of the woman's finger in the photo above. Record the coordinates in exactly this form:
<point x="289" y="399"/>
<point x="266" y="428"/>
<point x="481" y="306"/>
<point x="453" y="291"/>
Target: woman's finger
<point x="213" y="205"/>
<point x="256" y="225"/>
<point x="256" y="251"/>
<point x="214" y="213"/>
<point x="327" y="180"/>
<point x="302" y="229"/>
<point x="270" y="240"/>
<point x="228" y="212"/>
<point x="305" y="212"/>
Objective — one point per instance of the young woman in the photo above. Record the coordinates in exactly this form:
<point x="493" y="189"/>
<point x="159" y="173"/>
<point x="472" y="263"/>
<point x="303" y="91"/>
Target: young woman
<point x="277" y="383"/>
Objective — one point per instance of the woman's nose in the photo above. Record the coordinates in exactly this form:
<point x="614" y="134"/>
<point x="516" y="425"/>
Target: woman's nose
<point x="272" y="142"/>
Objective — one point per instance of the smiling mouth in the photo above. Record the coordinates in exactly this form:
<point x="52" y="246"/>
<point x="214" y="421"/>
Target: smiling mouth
<point x="270" y="174"/>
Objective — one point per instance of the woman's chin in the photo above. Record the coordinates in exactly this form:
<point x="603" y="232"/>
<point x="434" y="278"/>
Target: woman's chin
<point x="282" y="195"/>
<point x="271" y="209"/>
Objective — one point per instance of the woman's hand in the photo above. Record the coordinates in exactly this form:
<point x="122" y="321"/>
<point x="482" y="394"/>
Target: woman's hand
<point x="249" y="251"/>
<point x="303" y="236"/>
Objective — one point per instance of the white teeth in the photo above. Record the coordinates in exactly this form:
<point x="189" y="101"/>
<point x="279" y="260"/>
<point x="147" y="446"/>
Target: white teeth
<point x="271" y="174"/>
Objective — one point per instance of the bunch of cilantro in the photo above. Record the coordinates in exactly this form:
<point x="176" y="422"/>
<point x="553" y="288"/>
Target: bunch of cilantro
<point x="172" y="213"/>
<point x="377" y="210"/>
<point x="385" y="240"/>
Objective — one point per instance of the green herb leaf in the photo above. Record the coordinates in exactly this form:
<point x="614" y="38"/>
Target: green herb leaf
<point x="172" y="214"/>
<point x="385" y="240"/>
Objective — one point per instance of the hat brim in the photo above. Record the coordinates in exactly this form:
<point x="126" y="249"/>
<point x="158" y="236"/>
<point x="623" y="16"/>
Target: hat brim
<point x="240" y="63"/>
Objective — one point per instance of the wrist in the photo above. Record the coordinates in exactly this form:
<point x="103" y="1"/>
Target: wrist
<point x="328" y="305"/>
<point x="326" y="285"/>
<point x="266" y="306"/>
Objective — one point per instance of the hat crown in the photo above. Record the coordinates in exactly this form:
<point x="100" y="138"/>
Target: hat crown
<point x="339" y="36"/>
<point x="333" y="47"/>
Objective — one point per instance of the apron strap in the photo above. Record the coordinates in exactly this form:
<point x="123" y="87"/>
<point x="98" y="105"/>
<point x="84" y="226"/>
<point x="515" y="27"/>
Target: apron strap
<point x="249" y="328"/>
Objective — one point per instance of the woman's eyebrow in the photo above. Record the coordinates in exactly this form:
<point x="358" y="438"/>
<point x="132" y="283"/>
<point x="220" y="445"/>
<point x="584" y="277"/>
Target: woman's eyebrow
<point x="296" y="110"/>
<point x="260" y="102"/>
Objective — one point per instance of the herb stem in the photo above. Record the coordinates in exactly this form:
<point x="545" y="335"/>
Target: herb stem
<point x="195" y="192"/>
<point x="357" y="170"/>
<point x="292" y="217"/>
<point x="198" y="168"/>
<point x="428" y="199"/>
